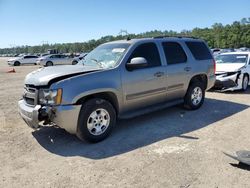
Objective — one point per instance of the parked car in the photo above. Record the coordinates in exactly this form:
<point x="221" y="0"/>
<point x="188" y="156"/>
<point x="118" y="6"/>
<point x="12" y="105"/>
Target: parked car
<point x="79" y="58"/>
<point x="54" y="59"/>
<point x="216" y="51"/>
<point x="23" y="60"/>
<point x="232" y="71"/>
<point x="119" y="79"/>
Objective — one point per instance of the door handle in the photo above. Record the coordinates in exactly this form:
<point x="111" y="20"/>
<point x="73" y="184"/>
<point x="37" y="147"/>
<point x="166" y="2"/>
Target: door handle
<point x="159" y="74"/>
<point x="187" y="69"/>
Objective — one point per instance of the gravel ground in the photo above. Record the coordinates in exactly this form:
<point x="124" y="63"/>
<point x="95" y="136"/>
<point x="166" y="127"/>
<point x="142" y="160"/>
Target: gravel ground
<point x="168" y="148"/>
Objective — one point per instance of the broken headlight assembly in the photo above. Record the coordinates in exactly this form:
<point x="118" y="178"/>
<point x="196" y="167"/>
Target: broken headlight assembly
<point x="50" y="96"/>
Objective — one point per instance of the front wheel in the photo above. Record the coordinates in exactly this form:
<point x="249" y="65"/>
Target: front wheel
<point x="195" y="95"/>
<point x="74" y="62"/>
<point x="49" y="63"/>
<point x="245" y="83"/>
<point x="17" y="63"/>
<point x="96" y="120"/>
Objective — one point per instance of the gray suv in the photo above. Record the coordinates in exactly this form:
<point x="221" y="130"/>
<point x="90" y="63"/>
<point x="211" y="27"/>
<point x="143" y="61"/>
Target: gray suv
<point x="120" y="79"/>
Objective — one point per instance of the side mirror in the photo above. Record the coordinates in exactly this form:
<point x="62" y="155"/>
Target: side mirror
<point x="136" y="63"/>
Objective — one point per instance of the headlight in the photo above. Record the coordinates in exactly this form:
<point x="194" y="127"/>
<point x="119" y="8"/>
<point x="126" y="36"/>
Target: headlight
<point x="50" y="97"/>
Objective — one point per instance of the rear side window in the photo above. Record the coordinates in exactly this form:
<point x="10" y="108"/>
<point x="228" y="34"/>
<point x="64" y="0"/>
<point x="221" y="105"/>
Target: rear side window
<point x="150" y="52"/>
<point x="174" y="53"/>
<point x="199" y="50"/>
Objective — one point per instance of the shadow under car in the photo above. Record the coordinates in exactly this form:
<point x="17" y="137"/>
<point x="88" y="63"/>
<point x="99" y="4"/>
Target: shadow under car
<point x="138" y="132"/>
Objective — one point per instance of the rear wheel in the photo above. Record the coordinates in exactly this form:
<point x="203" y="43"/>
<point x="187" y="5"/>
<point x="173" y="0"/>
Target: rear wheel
<point x="17" y="63"/>
<point x="49" y="63"/>
<point x="195" y="95"/>
<point x="245" y="83"/>
<point x="74" y="62"/>
<point x="96" y="120"/>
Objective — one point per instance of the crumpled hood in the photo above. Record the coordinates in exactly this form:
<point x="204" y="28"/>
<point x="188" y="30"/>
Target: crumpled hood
<point x="228" y="67"/>
<point x="42" y="76"/>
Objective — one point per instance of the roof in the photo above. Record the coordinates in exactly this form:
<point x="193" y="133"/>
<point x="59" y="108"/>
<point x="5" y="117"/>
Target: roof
<point x="163" y="38"/>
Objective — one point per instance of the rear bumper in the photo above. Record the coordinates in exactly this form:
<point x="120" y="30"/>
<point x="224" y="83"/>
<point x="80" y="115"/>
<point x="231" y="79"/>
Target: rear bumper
<point x="65" y="117"/>
<point x="211" y="81"/>
<point x="40" y="63"/>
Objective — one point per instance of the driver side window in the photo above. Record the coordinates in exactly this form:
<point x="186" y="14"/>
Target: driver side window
<point x="150" y="52"/>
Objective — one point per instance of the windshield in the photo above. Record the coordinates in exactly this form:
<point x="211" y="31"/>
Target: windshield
<point x="105" y="56"/>
<point x="231" y="58"/>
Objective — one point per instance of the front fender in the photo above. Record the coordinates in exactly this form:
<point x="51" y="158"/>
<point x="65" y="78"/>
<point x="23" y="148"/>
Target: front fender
<point x="74" y="88"/>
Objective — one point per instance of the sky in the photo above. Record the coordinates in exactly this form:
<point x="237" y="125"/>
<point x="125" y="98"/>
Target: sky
<point x="34" y="22"/>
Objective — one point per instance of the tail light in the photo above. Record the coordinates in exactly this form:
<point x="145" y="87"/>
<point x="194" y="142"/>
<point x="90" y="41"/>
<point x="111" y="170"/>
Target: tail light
<point x="214" y="66"/>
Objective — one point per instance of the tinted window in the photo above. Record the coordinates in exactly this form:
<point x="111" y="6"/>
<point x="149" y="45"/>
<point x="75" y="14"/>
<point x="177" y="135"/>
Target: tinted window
<point x="26" y="57"/>
<point x="54" y="56"/>
<point x="174" y="53"/>
<point x="199" y="50"/>
<point x="150" y="52"/>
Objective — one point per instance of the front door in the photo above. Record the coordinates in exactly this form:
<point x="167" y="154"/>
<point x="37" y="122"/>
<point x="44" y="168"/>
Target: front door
<point x="144" y="86"/>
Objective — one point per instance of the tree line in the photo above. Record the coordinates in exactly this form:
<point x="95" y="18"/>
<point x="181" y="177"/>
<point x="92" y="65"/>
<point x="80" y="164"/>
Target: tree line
<point x="233" y="35"/>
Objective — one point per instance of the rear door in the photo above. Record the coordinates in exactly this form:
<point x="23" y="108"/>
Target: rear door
<point x="147" y="85"/>
<point x="65" y="60"/>
<point x="33" y="59"/>
<point x="178" y="69"/>
<point x="56" y="59"/>
<point x="26" y="59"/>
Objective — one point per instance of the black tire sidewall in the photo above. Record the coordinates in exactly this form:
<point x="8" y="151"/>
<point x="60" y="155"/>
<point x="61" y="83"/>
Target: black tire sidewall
<point x="188" y="101"/>
<point x="87" y="108"/>
<point x="16" y="63"/>
<point x="243" y="89"/>
<point x="74" y="62"/>
<point x="49" y="63"/>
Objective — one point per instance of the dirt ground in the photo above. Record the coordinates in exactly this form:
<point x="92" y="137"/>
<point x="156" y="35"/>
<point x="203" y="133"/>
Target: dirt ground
<point x="168" y="148"/>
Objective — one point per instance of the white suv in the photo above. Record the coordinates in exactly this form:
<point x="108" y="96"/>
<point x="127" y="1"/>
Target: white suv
<point x="27" y="59"/>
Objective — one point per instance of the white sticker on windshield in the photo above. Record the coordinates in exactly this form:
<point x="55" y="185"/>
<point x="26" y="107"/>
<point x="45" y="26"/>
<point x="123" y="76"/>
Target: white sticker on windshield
<point x="240" y="57"/>
<point x="118" y="50"/>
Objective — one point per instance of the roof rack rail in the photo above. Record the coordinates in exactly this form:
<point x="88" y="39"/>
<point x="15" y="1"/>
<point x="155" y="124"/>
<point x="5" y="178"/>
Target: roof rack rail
<point x="175" y="36"/>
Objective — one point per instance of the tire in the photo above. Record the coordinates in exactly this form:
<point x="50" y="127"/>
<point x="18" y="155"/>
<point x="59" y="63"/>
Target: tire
<point x="17" y="63"/>
<point x="49" y="63"/>
<point x="195" y="95"/>
<point x="74" y="62"/>
<point x="90" y="120"/>
<point x="245" y="82"/>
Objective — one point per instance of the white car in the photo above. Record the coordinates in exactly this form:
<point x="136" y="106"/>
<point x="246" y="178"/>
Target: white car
<point x="54" y="59"/>
<point x="79" y="58"/>
<point x="22" y="60"/>
<point x="232" y="71"/>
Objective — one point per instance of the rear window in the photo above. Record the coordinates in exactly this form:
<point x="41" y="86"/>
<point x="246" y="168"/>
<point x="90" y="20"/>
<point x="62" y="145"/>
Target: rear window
<point x="199" y="50"/>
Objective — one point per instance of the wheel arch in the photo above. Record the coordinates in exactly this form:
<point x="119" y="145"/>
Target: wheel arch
<point x="106" y="95"/>
<point x="200" y="77"/>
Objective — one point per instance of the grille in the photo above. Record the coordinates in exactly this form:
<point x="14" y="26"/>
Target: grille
<point x="30" y="95"/>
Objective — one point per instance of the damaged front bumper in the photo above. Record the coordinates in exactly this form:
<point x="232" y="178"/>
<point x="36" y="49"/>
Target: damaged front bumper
<point x="64" y="116"/>
<point x="228" y="81"/>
